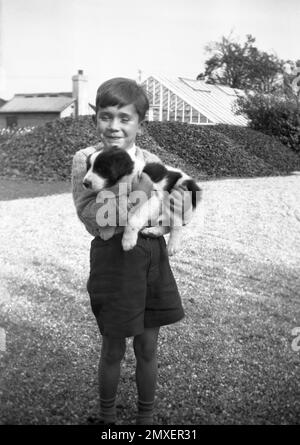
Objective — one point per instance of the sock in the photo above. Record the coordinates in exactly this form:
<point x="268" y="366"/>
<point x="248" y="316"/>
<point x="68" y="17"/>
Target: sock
<point x="145" y="413"/>
<point x="108" y="410"/>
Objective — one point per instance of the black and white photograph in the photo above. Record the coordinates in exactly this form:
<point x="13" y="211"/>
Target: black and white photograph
<point x="149" y="215"/>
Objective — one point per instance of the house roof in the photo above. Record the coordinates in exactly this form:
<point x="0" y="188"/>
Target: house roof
<point x="213" y="101"/>
<point x="2" y="102"/>
<point x="38" y="103"/>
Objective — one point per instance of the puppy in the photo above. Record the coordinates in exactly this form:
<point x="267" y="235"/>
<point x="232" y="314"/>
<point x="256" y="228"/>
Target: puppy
<point x="107" y="168"/>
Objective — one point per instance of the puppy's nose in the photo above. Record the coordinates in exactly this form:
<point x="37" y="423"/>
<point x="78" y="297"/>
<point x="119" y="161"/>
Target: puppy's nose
<point x="87" y="184"/>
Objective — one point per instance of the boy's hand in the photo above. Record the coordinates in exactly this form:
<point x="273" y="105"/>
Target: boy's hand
<point x="181" y="204"/>
<point x="155" y="232"/>
<point x="176" y="209"/>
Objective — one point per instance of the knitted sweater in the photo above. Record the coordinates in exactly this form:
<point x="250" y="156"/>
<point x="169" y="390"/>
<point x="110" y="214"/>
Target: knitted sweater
<point x="85" y="200"/>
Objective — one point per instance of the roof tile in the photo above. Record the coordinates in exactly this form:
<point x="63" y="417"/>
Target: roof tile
<point x="38" y="103"/>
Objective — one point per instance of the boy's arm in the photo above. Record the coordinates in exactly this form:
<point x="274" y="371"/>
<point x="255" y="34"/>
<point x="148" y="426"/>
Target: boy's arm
<point x="150" y="157"/>
<point x="84" y="200"/>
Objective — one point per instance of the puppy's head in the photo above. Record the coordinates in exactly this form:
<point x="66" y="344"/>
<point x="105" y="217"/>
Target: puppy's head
<point x="107" y="167"/>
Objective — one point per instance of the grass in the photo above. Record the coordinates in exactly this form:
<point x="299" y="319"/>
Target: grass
<point x="26" y="188"/>
<point x="230" y="361"/>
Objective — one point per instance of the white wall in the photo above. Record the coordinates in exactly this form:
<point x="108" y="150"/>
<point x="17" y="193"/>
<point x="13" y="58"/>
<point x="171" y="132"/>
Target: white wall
<point x="69" y="111"/>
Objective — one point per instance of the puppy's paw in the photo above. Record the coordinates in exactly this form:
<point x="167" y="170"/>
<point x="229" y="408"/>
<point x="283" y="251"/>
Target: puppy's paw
<point x="128" y="244"/>
<point x="173" y="248"/>
<point x="129" y="239"/>
<point x="135" y="222"/>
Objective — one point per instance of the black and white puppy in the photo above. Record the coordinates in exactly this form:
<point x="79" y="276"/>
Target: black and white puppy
<point x="107" y="168"/>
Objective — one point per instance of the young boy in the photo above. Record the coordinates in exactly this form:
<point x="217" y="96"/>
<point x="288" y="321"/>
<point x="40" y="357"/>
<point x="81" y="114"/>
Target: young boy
<point x="132" y="293"/>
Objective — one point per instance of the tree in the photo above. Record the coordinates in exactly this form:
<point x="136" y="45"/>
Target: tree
<point x="276" y="114"/>
<point x="242" y="66"/>
<point x="272" y="114"/>
<point x="290" y="86"/>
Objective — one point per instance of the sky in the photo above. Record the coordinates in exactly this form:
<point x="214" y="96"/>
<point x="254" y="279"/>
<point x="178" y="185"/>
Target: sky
<point x="44" y="42"/>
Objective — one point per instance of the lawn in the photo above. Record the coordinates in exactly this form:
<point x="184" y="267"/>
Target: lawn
<point x="230" y="361"/>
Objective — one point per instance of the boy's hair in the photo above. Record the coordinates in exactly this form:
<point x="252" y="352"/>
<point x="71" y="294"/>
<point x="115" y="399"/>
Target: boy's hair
<point x="121" y="92"/>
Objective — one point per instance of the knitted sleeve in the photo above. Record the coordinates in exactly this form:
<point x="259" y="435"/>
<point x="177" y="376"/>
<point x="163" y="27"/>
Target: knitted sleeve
<point x="150" y="157"/>
<point x="84" y="200"/>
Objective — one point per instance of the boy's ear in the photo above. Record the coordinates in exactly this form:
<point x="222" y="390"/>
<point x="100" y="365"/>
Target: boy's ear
<point x="94" y="115"/>
<point x="141" y="127"/>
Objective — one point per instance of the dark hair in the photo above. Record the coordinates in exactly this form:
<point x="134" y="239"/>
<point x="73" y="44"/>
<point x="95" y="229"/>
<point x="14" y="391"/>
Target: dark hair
<point x="121" y="92"/>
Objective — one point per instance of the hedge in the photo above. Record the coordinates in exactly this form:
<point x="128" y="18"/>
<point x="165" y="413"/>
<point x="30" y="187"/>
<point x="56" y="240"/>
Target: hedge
<point x="46" y="152"/>
<point x="225" y="150"/>
<point x="263" y="146"/>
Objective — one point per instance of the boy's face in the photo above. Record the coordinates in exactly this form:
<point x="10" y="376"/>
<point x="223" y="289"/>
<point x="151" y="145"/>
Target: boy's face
<point x="118" y="127"/>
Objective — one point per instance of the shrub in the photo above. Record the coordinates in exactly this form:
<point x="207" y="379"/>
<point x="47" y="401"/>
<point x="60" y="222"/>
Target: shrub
<point x="46" y="152"/>
<point x="220" y="151"/>
<point x="202" y="151"/>
<point x="267" y="148"/>
<point x="273" y="116"/>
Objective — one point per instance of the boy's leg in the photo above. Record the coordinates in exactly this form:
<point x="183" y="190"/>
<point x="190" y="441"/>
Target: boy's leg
<point x="112" y="352"/>
<point x="145" y="349"/>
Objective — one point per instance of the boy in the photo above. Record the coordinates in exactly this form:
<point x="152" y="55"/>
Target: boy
<point x="132" y="293"/>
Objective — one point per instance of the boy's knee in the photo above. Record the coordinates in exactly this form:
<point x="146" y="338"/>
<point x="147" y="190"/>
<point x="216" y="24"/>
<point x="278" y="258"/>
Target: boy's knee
<point x="112" y="351"/>
<point x="144" y="351"/>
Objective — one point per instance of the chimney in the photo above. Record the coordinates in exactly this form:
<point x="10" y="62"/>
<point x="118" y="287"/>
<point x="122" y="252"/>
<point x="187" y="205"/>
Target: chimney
<point x="80" y="93"/>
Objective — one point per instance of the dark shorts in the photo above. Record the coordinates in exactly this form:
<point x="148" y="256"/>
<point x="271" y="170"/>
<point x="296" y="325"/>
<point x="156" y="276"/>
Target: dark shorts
<point x="132" y="290"/>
